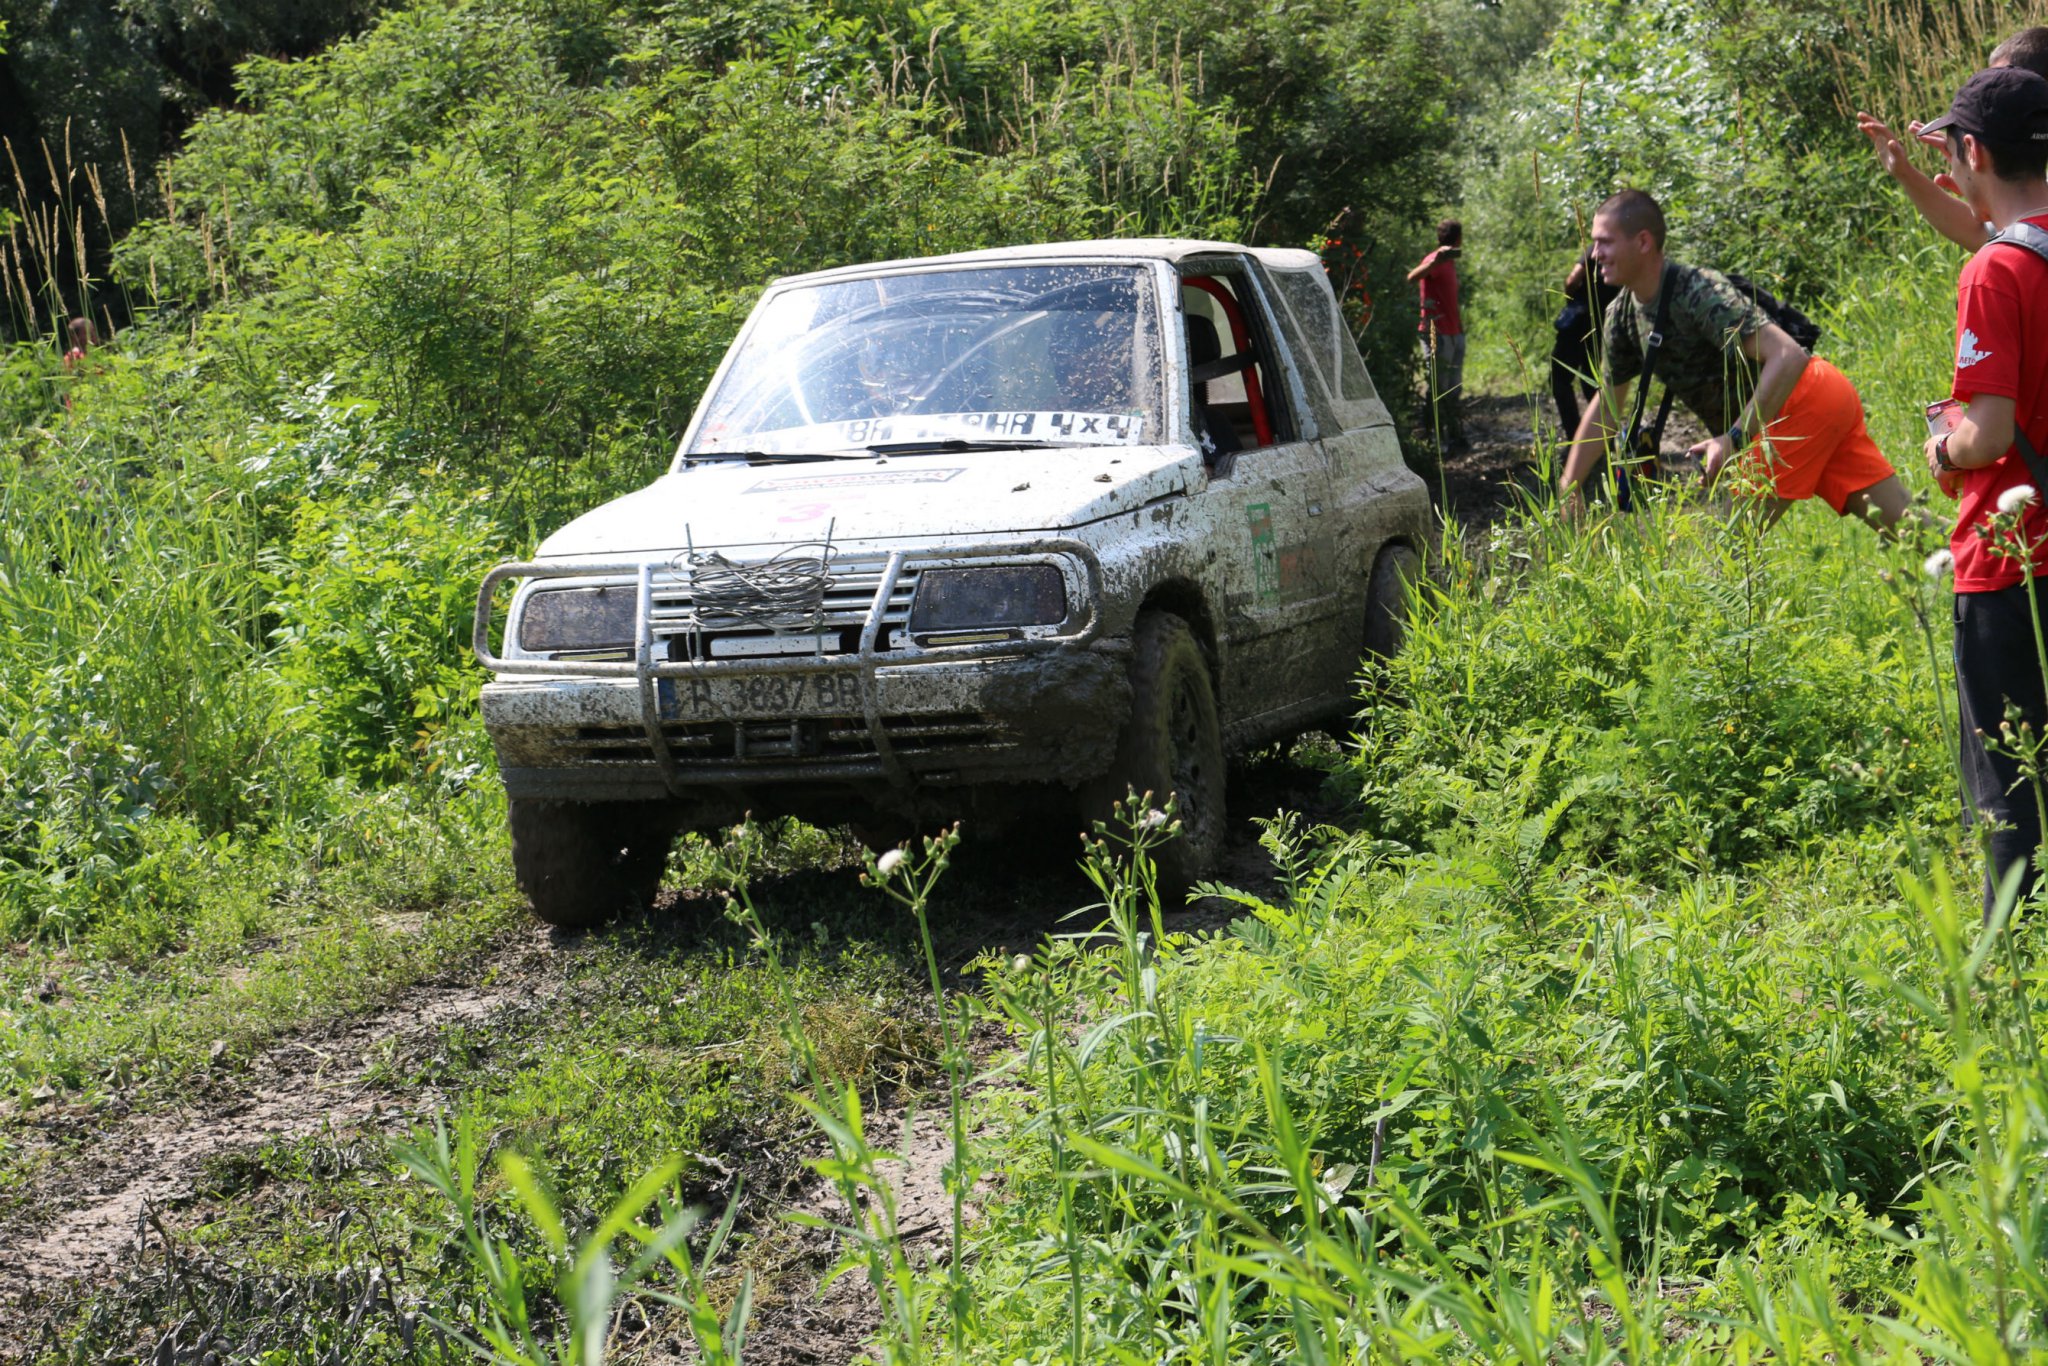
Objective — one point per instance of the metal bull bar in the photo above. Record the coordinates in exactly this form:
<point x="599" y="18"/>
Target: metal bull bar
<point x="863" y="662"/>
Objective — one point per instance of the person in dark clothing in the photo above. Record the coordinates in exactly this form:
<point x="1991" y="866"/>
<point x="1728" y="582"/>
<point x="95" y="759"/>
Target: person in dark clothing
<point x="1574" y="358"/>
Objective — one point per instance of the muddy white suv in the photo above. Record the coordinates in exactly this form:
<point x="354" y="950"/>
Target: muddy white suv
<point x="994" y="535"/>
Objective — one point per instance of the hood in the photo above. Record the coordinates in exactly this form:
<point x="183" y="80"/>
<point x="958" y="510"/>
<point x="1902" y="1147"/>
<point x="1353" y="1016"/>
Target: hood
<point x="728" y="504"/>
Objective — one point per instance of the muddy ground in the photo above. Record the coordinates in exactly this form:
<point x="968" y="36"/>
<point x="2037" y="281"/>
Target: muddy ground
<point x="122" y="1192"/>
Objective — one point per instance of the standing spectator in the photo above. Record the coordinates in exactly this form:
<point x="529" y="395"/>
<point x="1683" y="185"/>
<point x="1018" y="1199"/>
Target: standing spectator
<point x="1738" y="372"/>
<point x="1574" y="358"/>
<point x="1443" y="334"/>
<point x="1996" y="133"/>
<point x="1937" y="198"/>
<point x="81" y="342"/>
<point x="80" y="332"/>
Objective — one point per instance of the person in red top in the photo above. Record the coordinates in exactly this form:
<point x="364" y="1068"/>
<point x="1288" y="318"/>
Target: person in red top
<point x="80" y="332"/>
<point x="1997" y="146"/>
<point x="1443" y="334"/>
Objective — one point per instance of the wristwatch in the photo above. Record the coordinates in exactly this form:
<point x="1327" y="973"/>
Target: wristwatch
<point x="1941" y="455"/>
<point x="1734" y="435"/>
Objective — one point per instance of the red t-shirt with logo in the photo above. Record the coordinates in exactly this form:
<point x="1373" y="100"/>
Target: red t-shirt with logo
<point x="2002" y="350"/>
<point x="1440" y="296"/>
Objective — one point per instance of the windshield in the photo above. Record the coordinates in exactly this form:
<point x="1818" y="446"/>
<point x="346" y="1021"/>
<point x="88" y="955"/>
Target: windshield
<point x="1014" y="356"/>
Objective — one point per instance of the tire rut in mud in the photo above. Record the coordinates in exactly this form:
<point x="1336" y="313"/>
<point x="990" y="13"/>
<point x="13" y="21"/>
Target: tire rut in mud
<point x="95" y="1197"/>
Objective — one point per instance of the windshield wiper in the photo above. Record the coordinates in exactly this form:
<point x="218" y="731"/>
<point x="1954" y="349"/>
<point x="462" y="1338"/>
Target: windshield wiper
<point x="954" y="443"/>
<point x="775" y="457"/>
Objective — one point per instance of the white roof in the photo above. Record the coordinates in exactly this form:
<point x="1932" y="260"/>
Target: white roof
<point x="1172" y="249"/>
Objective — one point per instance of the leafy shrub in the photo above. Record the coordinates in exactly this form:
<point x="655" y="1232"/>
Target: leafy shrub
<point x="374" y="610"/>
<point x="1670" y="695"/>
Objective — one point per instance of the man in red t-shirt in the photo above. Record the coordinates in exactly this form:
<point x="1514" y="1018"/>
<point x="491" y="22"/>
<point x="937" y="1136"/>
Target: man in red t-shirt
<point x="1443" y="334"/>
<point x="1997" y="145"/>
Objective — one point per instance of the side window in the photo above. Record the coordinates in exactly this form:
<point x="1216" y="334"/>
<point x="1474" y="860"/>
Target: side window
<point x="1309" y="340"/>
<point x="1307" y="296"/>
<point x="1241" y="402"/>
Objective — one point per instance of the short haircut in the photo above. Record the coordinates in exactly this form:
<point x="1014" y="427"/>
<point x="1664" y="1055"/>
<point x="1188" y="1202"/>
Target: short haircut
<point x="2027" y="49"/>
<point x="1450" y="233"/>
<point x="1635" y="211"/>
<point x="2016" y="162"/>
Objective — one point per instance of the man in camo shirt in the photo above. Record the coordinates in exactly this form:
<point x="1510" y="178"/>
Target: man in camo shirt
<point x="1798" y="418"/>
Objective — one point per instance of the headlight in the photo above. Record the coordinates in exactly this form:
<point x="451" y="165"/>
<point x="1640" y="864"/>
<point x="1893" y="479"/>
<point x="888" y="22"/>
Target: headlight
<point x="1007" y="596"/>
<point x="579" y="619"/>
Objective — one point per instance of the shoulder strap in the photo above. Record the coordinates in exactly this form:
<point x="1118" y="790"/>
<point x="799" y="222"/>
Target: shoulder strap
<point x="1624" y="496"/>
<point x="2037" y="468"/>
<point x="2030" y="238"/>
<point x="1651" y="347"/>
<point x="2023" y="234"/>
<point x="1663" y="416"/>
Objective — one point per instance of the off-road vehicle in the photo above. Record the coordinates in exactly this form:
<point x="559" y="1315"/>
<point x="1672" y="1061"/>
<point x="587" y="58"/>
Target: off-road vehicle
<point x="997" y="535"/>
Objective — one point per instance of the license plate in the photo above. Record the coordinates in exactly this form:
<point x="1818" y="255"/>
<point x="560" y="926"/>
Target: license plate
<point x="760" y="695"/>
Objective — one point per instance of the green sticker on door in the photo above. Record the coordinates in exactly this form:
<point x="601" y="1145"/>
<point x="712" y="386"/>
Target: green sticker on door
<point x="1265" y="561"/>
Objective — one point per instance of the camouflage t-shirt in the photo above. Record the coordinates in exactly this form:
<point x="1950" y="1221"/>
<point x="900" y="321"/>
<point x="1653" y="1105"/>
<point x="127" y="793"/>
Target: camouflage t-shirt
<point x="1701" y="359"/>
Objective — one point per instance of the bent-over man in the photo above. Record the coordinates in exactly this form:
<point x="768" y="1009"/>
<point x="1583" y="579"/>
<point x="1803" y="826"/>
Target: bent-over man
<point x="1795" y="418"/>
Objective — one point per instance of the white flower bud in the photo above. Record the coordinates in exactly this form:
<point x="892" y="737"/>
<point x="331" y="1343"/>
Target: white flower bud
<point x="1940" y="565"/>
<point x="888" y="863"/>
<point x="2015" y="498"/>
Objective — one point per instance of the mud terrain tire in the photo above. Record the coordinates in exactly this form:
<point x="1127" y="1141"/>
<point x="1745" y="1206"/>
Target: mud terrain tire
<point x="1386" y="627"/>
<point x="1386" y="600"/>
<point x="1172" y="743"/>
<point x="581" y="863"/>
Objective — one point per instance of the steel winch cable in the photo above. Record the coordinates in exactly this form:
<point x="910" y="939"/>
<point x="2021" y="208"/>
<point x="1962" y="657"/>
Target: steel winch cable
<point x="785" y="592"/>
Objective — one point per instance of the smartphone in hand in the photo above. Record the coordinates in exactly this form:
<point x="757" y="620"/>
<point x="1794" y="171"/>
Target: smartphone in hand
<point x="1943" y="415"/>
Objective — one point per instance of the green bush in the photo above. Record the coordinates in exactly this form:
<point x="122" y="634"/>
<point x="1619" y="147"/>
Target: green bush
<point x="374" y="608"/>
<point x="1673" y="695"/>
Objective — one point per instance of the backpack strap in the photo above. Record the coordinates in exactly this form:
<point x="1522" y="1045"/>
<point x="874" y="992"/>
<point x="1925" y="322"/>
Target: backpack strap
<point x="2023" y="234"/>
<point x="1663" y="416"/>
<point x="2037" y="468"/>
<point x="1651" y="346"/>
<point x="2029" y="238"/>
<point x="1624" y="497"/>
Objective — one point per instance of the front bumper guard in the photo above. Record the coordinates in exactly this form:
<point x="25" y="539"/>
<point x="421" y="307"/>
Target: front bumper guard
<point x="646" y="669"/>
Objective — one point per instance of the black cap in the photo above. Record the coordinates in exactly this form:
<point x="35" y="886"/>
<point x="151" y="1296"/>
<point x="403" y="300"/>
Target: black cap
<point x="2006" y="106"/>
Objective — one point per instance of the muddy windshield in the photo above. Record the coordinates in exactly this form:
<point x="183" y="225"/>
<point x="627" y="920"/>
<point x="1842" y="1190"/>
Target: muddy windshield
<point x="961" y="359"/>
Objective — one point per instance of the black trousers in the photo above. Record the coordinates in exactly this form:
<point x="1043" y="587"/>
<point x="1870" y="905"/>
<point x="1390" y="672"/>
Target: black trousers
<point x="1997" y="672"/>
<point x="1569" y="359"/>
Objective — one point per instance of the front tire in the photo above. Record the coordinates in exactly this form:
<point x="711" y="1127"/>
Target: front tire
<point x="1173" y="744"/>
<point x="581" y="863"/>
<point x="1386" y="626"/>
<point x="1386" y="600"/>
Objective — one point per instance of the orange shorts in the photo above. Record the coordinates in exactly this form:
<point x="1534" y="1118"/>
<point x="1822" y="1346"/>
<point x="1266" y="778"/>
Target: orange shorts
<point x="1819" y="445"/>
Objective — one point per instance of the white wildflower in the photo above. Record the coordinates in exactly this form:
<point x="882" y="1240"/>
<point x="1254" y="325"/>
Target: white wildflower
<point x="1940" y="564"/>
<point x="888" y="863"/>
<point x="2015" y="498"/>
<point x="1153" y="819"/>
<point x="1021" y="963"/>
